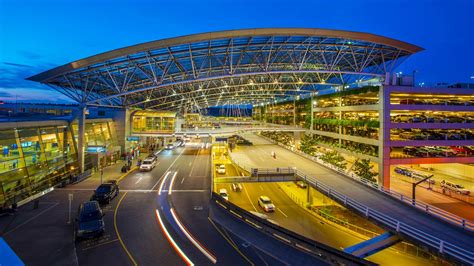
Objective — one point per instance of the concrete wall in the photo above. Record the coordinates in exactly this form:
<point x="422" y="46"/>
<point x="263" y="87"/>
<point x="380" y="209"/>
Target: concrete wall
<point x="454" y="169"/>
<point x="122" y="127"/>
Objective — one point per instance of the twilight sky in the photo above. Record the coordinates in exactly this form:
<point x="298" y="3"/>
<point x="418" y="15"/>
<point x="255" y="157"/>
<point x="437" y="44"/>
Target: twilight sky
<point x="36" y="35"/>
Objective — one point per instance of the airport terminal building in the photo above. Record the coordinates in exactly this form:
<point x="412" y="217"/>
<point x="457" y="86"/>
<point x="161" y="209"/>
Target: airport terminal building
<point x="341" y="86"/>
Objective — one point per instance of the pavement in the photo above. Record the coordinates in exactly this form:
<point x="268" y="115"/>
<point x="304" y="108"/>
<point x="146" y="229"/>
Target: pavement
<point x="260" y="156"/>
<point x="140" y="228"/>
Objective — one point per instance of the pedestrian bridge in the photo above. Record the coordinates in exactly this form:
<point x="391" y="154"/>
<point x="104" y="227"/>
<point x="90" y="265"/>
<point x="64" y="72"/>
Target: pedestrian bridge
<point x="222" y="131"/>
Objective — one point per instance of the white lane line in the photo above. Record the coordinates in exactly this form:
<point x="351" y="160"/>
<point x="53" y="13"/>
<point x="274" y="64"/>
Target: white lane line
<point x="193" y="162"/>
<point x="171" y="183"/>
<point x="184" y="190"/>
<point x="195" y="242"/>
<point x="156" y="184"/>
<point x="261" y="188"/>
<point x="138" y="181"/>
<point x="282" y="212"/>
<point x="246" y="193"/>
<point x="171" y="240"/>
<point x="190" y="163"/>
<point x="31" y="219"/>
<point x="182" y="180"/>
<point x="163" y="182"/>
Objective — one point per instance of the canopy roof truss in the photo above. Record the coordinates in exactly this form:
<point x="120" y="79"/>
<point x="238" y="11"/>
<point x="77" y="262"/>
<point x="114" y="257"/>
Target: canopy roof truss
<point x="231" y="67"/>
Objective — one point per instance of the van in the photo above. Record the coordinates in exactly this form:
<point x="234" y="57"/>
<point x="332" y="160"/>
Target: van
<point x="223" y="193"/>
<point x="148" y="164"/>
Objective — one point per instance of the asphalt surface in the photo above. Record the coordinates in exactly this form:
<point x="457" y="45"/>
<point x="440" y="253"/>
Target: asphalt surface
<point x="260" y="156"/>
<point x="141" y="228"/>
<point x="296" y="219"/>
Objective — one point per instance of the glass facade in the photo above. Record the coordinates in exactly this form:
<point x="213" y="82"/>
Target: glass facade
<point x="34" y="159"/>
<point x="153" y="122"/>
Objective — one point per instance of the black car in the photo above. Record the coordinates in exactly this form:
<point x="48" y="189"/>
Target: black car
<point x="106" y="192"/>
<point x="89" y="222"/>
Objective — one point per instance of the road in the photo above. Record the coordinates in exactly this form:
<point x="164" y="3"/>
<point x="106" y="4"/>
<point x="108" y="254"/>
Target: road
<point x="140" y="226"/>
<point x="259" y="155"/>
<point x="294" y="218"/>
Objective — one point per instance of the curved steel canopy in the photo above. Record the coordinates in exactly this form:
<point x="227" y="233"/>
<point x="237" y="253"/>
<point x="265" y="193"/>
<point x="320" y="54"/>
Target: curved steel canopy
<point x="227" y="67"/>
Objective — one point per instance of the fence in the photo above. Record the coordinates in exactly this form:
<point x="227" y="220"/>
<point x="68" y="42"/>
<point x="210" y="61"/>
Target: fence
<point x="392" y="224"/>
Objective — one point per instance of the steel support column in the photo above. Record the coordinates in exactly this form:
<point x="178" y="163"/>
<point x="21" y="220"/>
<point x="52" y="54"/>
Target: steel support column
<point x="81" y="137"/>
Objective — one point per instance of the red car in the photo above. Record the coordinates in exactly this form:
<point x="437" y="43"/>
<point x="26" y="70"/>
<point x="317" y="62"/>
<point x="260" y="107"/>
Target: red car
<point x="461" y="151"/>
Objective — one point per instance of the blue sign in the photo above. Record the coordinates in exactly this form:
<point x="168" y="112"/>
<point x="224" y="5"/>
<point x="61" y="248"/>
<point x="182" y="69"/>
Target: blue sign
<point x="133" y="138"/>
<point x="96" y="149"/>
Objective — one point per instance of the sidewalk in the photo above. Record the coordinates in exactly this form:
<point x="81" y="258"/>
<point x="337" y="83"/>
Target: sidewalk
<point x="112" y="172"/>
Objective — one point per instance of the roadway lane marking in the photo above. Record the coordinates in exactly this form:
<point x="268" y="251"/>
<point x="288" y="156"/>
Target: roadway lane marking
<point x="117" y="231"/>
<point x="193" y="162"/>
<point x="138" y="181"/>
<point x="193" y="240"/>
<point x="245" y="189"/>
<point x="101" y="244"/>
<point x="171" y="240"/>
<point x="261" y="188"/>
<point x="163" y="182"/>
<point x="31" y="219"/>
<point x="171" y="183"/>
<point x="231" y="243"/>
<point x="158" y="181"/>
<point x="185" y="190"/>
<point x="282" y="212"/>
<point x="190" y="163"/>
<point x="182" y="180"/>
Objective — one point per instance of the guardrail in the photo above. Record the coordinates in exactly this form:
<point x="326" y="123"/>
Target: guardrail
<point x="432" y="210"/>
<point x="436" y="244"/>
<point x="320" y="251"/>
<point x="392" y="224"/>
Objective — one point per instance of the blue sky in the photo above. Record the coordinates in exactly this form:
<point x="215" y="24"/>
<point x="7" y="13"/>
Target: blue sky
<point x="37" y="35"/>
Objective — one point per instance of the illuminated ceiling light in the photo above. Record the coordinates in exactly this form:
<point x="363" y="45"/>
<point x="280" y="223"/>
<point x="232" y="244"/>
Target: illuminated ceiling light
<point x="174" y="93"/>
<point x="275" y="81"/>
<point x="147" y="99"/>
<point x="323" y="81"/>
<point x="226" y="86"/>
<point x="300" y="81"/>
<point x="280" y="88"/>
<point x="261" y="88"/>
<point x="250" y="82"/>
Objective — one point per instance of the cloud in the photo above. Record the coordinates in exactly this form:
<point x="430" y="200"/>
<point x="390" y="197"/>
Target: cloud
<point x="4" y="94"/>
<point x="15" y="64"/>
<point x="14" y="75"/>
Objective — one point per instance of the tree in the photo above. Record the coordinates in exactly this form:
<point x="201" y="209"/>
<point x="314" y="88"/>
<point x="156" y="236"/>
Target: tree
<point x="307" y="144"/>
<point x="363" y="169"/>
<point x="335" y="159"/>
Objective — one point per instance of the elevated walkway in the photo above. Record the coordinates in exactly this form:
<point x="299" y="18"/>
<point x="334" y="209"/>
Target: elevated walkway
<point x="224" y="131"/>
<point x="373" y="245"/>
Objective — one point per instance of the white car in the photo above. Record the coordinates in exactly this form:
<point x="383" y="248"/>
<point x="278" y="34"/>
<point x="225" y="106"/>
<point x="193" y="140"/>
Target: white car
<point x="223" y="193"/>
<point x="266" y="204"/>
<point x="148" y="164"/>
<point x="456" y="188"/>
<point x="221" y="169"/>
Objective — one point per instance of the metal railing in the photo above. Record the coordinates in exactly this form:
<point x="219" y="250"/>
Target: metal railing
<point x="300" y="243"/>
<point x="435" y="211"/>
<point x="390" y="223"/>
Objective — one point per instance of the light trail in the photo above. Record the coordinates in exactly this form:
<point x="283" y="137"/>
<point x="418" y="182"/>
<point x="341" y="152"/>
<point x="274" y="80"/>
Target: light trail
<point x="195" y="242"/>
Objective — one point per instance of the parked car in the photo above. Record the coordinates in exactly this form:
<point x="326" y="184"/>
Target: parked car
<point x="301" y="184"/>
<point x="266" y="204"/>
<point x="169" y="146"/>
<point x="106" y="192"/>
<point x="89" y="222"/>
<point x="456" y="188"/>
<point x="221" y="169"/>
<point x="223" y="193"/>
<point x="236" y="187"/>
<point x="148" y="164"/>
